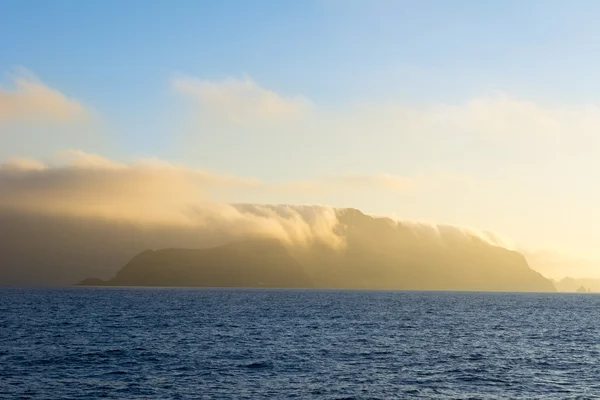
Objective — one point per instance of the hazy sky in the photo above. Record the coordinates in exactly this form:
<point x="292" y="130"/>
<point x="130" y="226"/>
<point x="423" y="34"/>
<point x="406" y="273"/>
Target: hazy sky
<point x="477" y="113"/>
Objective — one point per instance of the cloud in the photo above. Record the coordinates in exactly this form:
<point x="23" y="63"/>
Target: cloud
<point x="152" y="191"/>
<point x="233" y="103"/>
<point x="242" y="100"/>
<point x="294" y="224"/>
<point x="80" y="159"/>
<point x="30" y="100"/>
<point x="484" y="120"/>
<point x="73" y="175"/>
<point x="508" y="117"/>
<point x="22" y="164"/>
<point x="448" y="233"/>
<point x="76" y="182"/>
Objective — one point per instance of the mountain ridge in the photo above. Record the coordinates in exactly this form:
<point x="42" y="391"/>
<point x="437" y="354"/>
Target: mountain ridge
<point x="378" y="254"/>
<point x="347" y="249"/>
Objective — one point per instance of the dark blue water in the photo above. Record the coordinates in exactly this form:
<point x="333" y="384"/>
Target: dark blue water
<point x="88" y="343"/>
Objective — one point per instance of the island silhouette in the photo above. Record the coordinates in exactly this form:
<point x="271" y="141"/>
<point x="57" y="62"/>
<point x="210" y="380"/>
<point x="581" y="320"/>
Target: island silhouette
<point x="377" y="253"/>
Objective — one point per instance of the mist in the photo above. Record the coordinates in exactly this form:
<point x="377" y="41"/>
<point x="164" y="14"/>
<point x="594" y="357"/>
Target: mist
<point x="82" y="215"/>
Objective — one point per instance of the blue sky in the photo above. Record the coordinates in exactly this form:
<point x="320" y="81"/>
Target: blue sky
<point x="411" y="89"/>
<point x="118" y="56"/>
<point x="328" y="50"/>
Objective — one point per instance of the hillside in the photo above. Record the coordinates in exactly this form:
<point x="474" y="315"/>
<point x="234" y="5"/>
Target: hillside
<point x="378" y="254"/>
<point x="252" y="263"/>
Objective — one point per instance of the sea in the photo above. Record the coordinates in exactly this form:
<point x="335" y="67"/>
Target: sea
<point x="176" y="343"/>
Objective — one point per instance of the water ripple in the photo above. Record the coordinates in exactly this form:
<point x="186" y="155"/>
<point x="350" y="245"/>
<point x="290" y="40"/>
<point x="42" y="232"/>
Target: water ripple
<point x="247" y="344"/>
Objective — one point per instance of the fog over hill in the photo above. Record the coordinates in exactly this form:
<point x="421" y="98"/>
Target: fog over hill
<point x="314" y="246"/>
<point x="89" y="217"/>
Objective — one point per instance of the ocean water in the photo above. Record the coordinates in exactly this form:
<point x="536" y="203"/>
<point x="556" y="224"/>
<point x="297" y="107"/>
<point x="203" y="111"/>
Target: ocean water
<point x="121" y="343"/>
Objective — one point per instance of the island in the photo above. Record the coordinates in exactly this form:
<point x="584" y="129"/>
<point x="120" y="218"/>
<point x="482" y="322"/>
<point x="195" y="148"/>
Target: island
<point x="377" y="253"/>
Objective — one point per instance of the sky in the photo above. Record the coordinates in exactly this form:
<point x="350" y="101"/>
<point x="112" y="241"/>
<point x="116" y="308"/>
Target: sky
<point x="479" y="114"/>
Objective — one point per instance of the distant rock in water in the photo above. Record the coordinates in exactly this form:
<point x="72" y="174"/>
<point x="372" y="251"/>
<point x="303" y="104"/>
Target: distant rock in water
<point x="582" y="289"/>
<point x="378" y="254"/>
<point x="577" y="284"/>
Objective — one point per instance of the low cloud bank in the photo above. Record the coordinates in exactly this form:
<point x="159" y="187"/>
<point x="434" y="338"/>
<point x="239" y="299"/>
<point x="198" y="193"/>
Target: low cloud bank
<point x="151" y="192"/>
<point x="80" y="215"/>
<point x="154" y="192"/>
<point x="433" y="232"/>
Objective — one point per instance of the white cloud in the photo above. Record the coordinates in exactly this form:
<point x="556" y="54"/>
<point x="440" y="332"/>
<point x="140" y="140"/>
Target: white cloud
<point x="495" y="117"/>
<point x="30" y="100"/>
<point x="488" y="119"/>
<point x="504" y="116"/>
<point x="73" y="175"/>
<point x="442" y="232"/>
<point x="79" y="183"/>
<point x="154" y="191"/>
<point x="242" y="100"/>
